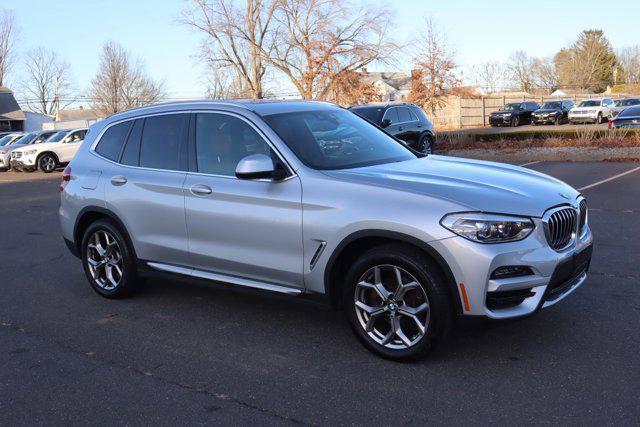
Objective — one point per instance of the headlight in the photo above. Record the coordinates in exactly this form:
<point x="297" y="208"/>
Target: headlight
<point x="4" y="151"/>
<point x="488" y="228"/>
<point x="29" y="152"/>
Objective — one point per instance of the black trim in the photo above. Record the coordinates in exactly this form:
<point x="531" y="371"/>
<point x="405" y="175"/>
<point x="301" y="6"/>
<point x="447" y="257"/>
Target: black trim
<point x="72" y="247"/>
<point x="435" y="255"/>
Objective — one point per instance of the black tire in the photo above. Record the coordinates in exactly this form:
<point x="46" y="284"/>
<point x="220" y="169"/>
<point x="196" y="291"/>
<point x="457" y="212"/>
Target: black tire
<point x="425" y="144"/>
<point x="558" y="120"/>
<point x="600" y="119"/>
<point x="431" y="281"/>
<point x="515" y="122"/>
<point x="47" y="163"/>
<point x="129" y="277"/>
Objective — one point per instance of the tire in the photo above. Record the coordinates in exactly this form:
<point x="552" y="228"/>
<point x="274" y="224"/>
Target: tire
<point x="430" y="288"/>
<point x="599" y="120"/>
<point x="558" y="121"/>
<point x="425" y="144"/>
<point x="515" y="122"/>
<point x="47" y="163"/>
<point x="120" y="255"/>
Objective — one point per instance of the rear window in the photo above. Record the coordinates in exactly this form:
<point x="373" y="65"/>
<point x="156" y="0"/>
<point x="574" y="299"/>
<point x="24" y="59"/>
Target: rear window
<point x="161" y="137"/>
<point x="111" y="142"/>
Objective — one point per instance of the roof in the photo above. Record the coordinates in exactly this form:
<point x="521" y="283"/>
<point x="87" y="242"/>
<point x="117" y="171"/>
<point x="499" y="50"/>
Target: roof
<point x="77" y="114"/>
<point x="9" y="108"/>
<point x="396" y="80"/>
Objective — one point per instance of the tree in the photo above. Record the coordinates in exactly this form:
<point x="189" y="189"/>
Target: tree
<point x="629" y="59"/>
<point x="318" y="40"/>
<point x="223" y="83"/>
<point x="588" y="64"/>
<point x="520" y="66"/>
<point x="546" y="73"/>
<point x="435" y="72"/>
<point x="8" y="34"/>
<point x="350" y="88"/>
<point x="490" y="76"/>
<point x="122" y="83"/>
<point x="235" y="39"/>
<point x="47" y="82"/>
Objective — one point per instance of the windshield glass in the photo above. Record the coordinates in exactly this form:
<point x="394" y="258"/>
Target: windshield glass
<point x="511" y="107"/>
<point x="589" y="104"/>
<point x="336" y="139"/>
<point x="57" y="137"/>
<point x="26" y="139"/>
<point x="373" y="114"/>
<point x="628" y="102"/>
<point x="5" y="140"/>
<point x="553" y="105"/>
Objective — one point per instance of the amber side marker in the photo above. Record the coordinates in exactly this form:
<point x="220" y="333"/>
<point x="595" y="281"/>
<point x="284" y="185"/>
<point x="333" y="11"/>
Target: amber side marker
<point x="465" y="299"/>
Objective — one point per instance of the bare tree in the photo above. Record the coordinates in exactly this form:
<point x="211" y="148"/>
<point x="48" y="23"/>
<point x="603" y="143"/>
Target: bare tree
<point x="236" y="38"/>
<point x="122" y="83"/>
<point x="436" y="69"/>
<point x="223" y="83"/>
<point x="319" y="40"/>
<point x="522" y="75"/>
<point x="47" y="82"/>
<point x="490" y="76"/>
<point x="546" y="73"/>
<point x="8" y="34"/>
<point x="629" y="59"/>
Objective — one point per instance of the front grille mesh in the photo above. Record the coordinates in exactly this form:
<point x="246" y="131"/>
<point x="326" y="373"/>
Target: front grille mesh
<point x="583" y="214"/>
<point x="561" y="225"/>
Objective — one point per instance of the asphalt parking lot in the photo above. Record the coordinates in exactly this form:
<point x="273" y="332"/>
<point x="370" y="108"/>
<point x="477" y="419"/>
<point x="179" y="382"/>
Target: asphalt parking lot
<point x="177" y="353"/>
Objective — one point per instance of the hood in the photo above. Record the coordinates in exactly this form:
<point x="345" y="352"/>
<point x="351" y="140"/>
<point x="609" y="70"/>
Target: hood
<point x="473" y="184"/>
<point x="547" y="110"/>
<point x="503" y="112"/>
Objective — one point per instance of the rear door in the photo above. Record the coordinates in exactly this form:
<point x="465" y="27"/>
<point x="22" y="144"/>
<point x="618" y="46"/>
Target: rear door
<point x="70" y="145"/>
<point x="145" y="187"/>
<point x="245" y="228"/>
<point x="409" y="126"/>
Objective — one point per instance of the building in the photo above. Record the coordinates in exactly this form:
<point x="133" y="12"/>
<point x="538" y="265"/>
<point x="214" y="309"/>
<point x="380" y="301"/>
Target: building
<point x="35" y="121"/>
<point x="393" y="86"/>
<point x="11" y="116"/>
<point x="74" y="118"/>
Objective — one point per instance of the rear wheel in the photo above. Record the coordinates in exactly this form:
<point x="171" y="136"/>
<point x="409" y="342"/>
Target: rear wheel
<point x="108" y="261"/>
<point x="47" y="163"/>
<point x="425" y="145"/>
<point x="515" y="122"/>
<point x="397" y="302"/>
<point x="558" y="120"/>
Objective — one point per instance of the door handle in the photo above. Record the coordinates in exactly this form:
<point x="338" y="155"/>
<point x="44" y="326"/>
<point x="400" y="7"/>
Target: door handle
<point x="201" y="190"/>
<point x="118" y="180"/>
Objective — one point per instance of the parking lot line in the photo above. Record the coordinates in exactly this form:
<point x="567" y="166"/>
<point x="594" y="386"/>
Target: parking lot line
<point x="530" y="163"/>
<point x="586" y="187"/>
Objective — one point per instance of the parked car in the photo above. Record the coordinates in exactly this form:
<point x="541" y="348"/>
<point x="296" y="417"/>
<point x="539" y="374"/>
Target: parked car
<point x="309" y="200"/>
<point x="5" y="142"/>
<point x="553" y="112"/>
<point x="591" y="111"/>
<point x="514" y="114"/>
<point x="24" y="140"/>
<point x="621" y="104"/>
<point x="58" y="150"/>
<point x="628" y="118"/>
<point x="406" y="122"/>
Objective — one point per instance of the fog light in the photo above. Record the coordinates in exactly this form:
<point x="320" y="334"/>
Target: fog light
<point x="511" y="271"/>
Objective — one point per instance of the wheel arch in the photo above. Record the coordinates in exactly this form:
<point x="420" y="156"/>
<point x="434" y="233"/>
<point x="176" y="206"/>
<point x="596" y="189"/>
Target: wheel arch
<point x="47" y="152"/>
<point x="89" y="215"/>
<point x="354" y="244"/>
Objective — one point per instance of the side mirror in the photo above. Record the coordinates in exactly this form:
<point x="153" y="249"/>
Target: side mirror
<point x="385" y="123"/>
<point x="259" y="166"/>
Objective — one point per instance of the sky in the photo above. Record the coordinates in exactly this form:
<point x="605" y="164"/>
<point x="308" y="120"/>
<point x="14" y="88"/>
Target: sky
<point x="480" y="31"/>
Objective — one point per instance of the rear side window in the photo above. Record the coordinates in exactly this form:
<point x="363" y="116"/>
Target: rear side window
<point x="112" y="140"/>
<point x="404" y="115"/>
<point x="161" y="139"/>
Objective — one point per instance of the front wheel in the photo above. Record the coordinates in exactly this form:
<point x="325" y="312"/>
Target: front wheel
<point x="425" y="145"/>
<point x="515" y="122"/>
<point x="600" y="119"/>
<point x="108" y="261"/>
<point x="47" y="163"/>
<point x="397" y="302"/>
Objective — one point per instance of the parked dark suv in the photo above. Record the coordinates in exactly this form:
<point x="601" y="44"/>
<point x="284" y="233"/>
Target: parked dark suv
<point x="553" y="112"/>
<point x="406" y="122"/>
<point x="514" y="114"/>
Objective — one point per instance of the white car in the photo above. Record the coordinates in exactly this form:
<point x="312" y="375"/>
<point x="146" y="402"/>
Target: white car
<point x="5" y="152"/>
<point x="57" y="150"/>
<point x="591" y="111"/>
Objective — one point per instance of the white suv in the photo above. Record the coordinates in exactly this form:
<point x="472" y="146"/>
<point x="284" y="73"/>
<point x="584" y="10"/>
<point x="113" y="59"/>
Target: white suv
<point x="591" y="110"/>
<point x="58" y="149"/>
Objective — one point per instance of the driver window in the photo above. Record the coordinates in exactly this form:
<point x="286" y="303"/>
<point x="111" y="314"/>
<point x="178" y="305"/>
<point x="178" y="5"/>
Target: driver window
<point x="223" y="140"/>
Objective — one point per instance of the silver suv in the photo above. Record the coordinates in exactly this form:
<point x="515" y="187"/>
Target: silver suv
<point x="308" y="199"/>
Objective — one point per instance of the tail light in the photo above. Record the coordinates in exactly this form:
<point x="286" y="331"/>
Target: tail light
<point x="66" y="177"/>
<point x="612" y="124"/>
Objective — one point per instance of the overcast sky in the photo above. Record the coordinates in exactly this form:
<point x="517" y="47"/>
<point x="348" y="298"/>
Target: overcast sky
<point x="479" y="30"/>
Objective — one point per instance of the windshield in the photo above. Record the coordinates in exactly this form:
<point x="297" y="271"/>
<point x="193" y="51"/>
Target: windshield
<point x="373" y="114"/>
<point x="5" y="140"/>
<point x="589" y="104"/>
<point x="57" y="137"/>
<point x="511" y="107"/>
<point x="553" y="105"/>
<point x="26" y="139"/>
<point x="336" y="139"/>
<point x="628" y="102"/>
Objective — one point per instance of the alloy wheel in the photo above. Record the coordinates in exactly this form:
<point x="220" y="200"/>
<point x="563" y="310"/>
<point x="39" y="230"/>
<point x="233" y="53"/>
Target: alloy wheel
<point x="47" y="163"/>
<point x="392" y="307"/>
<point x="104" y="259"/>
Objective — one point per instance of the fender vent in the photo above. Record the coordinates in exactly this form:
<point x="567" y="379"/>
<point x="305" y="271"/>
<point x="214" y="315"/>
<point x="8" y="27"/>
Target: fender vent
<point x="316" y="256"/>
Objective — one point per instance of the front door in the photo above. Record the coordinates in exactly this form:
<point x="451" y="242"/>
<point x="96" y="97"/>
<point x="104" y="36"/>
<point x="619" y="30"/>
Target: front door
<point x="245" y="228"/>
<point x="70" y="145"/>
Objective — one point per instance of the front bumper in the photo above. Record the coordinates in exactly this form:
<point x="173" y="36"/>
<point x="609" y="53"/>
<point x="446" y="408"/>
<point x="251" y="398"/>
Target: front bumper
<point x="583" y="118"/>
<point x="543" y="120"/>
<point x="23" y="163"/>
<point x="554" y="275"/>
<point x="5" y="161"/>
<point x="500" y="120"/>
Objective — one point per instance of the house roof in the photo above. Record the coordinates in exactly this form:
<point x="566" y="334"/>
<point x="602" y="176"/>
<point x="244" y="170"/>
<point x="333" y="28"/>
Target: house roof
<point x="396" y="80"/>
<point x="9" y="108"/>
<point x="77" y="114"/>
